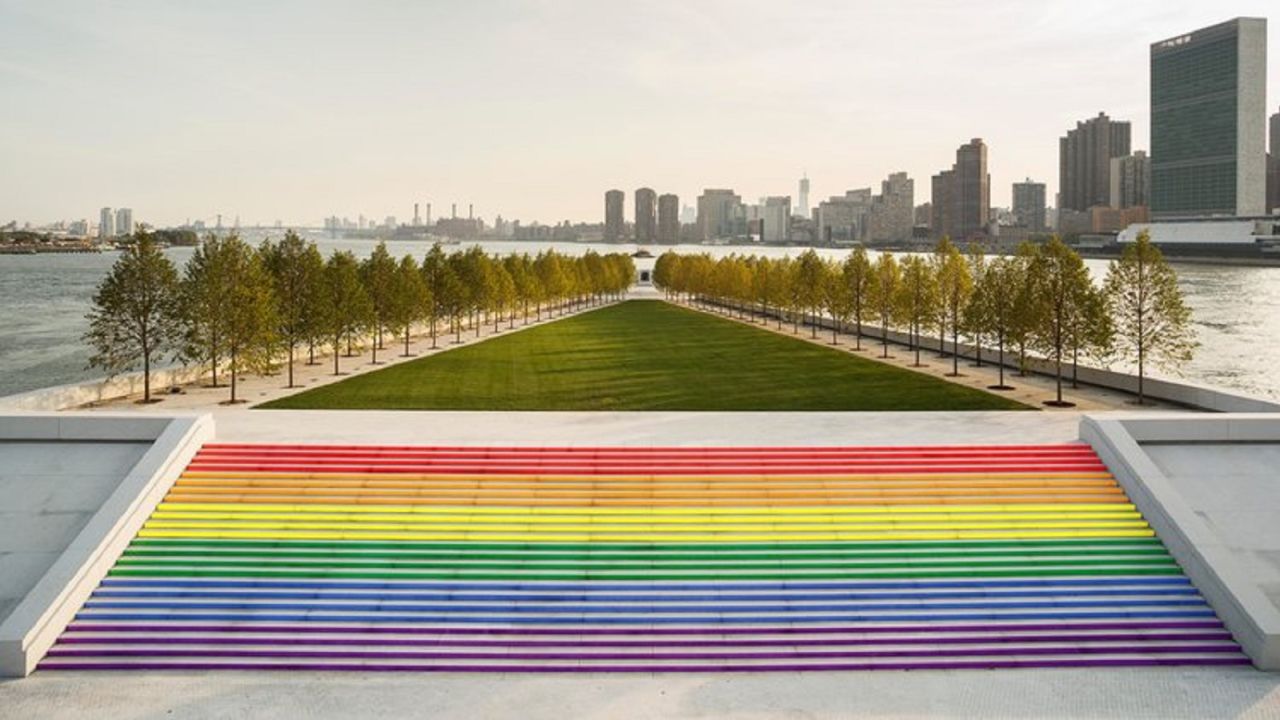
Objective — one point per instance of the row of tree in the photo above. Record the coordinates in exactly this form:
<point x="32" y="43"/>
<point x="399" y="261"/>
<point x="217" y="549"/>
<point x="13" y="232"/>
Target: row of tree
<point x="236" y="308"/>
<point x="1039" y="300"/>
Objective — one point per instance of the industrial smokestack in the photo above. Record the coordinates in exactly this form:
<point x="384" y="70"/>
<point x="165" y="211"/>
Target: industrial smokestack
<point x="454" y="211"/>
<point x="417" y="219"/>
<point x="471" y="212"/>
<point x="428" y="213"/>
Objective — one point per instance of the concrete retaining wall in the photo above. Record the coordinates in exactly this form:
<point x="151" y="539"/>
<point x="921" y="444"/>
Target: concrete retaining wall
<point x="33" y="626"/>
<point x="1226" y="584"/>
<point x="1181" y="393"/>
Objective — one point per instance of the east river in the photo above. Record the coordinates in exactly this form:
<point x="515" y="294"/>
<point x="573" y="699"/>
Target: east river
<point x="44" y="298"/>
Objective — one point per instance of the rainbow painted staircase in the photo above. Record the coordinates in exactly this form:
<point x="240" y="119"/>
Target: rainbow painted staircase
<point x="656" y="559"/>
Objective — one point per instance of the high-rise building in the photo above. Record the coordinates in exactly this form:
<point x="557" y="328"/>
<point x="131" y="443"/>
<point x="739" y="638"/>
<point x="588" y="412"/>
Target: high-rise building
<point x="1208" y="94"/>
<point x="891" y="217"/>
<point x="1273" y="167"/>
<point x="776" y="214"/>
<point x="613" y="222"/>
<point x="646" y="215"/>
<point x="1131" y="181"/>
<point x="1029" y="205"/>
<point x="124" y="221"/>
<point x="803" y="208"/>
<point x="962" y="195"/>
<point x="720" y="214"/>
<point x="668" y="219"/>
<point x="1084" y="161"/>
<point x="843" y="218"/>
<point x="106" y="223"/>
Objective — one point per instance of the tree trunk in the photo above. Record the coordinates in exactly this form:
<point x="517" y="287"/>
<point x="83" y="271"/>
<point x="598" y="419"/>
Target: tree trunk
<point x="291" y="346"/>
<point x="146" y="372"/>
<point x="955" y="349"/>
<point x="234" y="373"/>
<point x="337" y="350"/>
<point x="406" y="341"/>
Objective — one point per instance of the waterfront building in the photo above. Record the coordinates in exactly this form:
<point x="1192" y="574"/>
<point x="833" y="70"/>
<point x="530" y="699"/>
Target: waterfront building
<point x="1130" y="181"/>
<point x="1273" y="167"/>
<point x="1084" y="161"/>
<point x="891" y="214"/>
<point x="1208" y="94"/>
<point x="668" y="219"/>
<point x="776" y="219"/>
<point x="1029" y="205"/>
<point x="924" y="215"/>
<point x="720" y="214"/>
<point x="803" y="208"/>
<point x="124" y="221"/>
<point x="106" y="223"/>
<point x="962" y="195"/>
<point x="842" y="219"/>
<point x="646" y="223"/>
<point x="613" y="222"/>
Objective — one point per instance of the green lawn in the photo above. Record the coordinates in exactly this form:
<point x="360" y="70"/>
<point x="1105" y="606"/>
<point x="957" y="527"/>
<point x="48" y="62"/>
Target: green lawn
<point x="644" y="355"/>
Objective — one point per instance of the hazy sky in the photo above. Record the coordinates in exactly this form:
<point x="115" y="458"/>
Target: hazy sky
<point x="295" y="111"/>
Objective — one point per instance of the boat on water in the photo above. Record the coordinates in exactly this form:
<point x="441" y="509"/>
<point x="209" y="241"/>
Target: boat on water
<point x="641" y="253"/>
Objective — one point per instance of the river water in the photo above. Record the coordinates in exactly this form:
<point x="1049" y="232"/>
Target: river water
<point x="44" y="298"/>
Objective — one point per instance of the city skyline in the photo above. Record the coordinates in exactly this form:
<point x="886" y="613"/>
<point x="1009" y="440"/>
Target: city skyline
<point x="272" y="113"/>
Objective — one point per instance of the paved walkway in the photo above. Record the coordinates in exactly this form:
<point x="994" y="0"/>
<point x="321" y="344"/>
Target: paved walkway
<point x="1031" y="389"/>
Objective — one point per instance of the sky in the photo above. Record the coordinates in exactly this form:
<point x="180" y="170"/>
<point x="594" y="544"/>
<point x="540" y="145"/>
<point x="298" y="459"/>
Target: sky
<point x="295" y="111"/>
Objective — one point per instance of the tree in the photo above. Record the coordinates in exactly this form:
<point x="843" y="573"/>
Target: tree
<point x="295" y="269"/>
<point x="377" y="274"/>
<point x="883" y="294"/>
<point x="203" y="291"/>
<point x="135" y="316"/>
<point x="457" y="294"/>
<point x="955" y="286"/>
<point x="918" y="295"/>
<point x="1152" y="323"/>
<point x="808" y="286"/>
<point x="780" y="279"/>
<point x="1090" y="331"/>
<point x="977" y="258"/>
<point x="1062" y="287"/>
<point x="995" y="305"/>
<point x="410" y="299"/>
<point x="248" y="317"/>
<point x="433" y="275"/>
<point x="836" y="300"/>
<point x="857" y="273"/>
<point x="346" y="304"/>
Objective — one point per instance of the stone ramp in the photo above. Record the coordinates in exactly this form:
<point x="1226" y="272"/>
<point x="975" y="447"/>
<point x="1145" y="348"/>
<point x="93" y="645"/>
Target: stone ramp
<point x="641" y="560"/>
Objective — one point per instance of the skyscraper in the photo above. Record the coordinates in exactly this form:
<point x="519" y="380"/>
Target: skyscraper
<point x="613" y="227"/>
<point x="124" y="221"/>
<point x="1208" y="90"/>
<point x="106" y="223"/>
<point x="962" y="195"/>
<point x="803" y="208"/>
<point x="646" y="215"/>
<point x="1273" y="168"/>
<point x="776" y="214"/>
<point x="1131" y="181"/>
<point x="668" y="219"/>
<point x="719" y="212"/>
<point x="1029" y="204"/>
<point x="1084" y="161"/>
<point x="891" y="217"/>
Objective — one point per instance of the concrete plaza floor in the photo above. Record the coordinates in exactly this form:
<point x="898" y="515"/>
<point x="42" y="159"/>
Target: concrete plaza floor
<point x="1128" y="693"/>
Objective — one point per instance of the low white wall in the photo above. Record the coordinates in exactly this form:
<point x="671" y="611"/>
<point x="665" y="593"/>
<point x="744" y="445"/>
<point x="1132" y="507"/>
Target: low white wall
<point x="1181" y="393"/>
<point x="35" y="624"/>
<point x="1225" y="584"/>
<point x="60" y="397"/>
